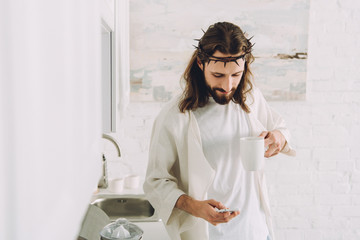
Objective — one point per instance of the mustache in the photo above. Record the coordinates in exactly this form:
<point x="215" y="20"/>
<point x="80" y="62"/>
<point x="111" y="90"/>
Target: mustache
<point x="218" y="89"/>
<point x="222" y="90"/>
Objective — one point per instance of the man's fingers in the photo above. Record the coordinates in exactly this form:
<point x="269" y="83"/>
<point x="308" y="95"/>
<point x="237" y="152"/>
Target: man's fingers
<point x="214" y="217"/>
<point x="269" y="139"/>
<point x="267" y="142"/>
<point x="226" y="217"/>
<point x="263" y="134"/>
<point x="216" y="204"/>
<point x="273" y="149"/>
<point x="272" y="143"/>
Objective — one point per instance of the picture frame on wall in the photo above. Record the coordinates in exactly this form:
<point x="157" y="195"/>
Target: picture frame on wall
<point x="162" y="41"/>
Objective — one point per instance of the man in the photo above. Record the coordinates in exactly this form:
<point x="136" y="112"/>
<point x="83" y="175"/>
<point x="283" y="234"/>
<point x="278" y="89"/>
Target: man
<point x="194" y="166"/>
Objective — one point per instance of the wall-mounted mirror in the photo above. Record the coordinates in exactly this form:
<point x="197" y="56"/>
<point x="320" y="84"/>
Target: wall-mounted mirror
<point x="108" y="79"/>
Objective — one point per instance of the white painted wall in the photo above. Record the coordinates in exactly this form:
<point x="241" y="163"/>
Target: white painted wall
<point x="316" y="195"/>
<point x="50" y="127"/>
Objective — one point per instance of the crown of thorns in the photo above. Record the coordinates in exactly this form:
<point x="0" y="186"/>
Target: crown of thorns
<point x="222" y="59"/>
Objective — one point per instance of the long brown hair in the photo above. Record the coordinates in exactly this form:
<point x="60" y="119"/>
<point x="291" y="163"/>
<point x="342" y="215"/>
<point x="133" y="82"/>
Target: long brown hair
<point x="228" y="39"/>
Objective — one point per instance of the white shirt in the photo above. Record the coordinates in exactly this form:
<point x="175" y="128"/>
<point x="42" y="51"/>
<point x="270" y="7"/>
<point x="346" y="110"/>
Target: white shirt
<point x="221" y="127"/>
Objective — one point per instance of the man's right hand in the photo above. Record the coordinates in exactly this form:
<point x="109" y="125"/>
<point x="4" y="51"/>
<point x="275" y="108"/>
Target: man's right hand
<point x="205" y="209"/>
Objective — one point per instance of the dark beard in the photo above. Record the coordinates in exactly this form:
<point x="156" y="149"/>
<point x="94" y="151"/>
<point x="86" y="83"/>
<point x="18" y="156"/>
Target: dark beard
<point x="224" y="99"/>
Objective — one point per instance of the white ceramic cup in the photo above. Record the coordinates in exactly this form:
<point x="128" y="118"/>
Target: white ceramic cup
<point x="132" y="181"/>
<point x="252" y="153"/>
<point x="116" y="185"/>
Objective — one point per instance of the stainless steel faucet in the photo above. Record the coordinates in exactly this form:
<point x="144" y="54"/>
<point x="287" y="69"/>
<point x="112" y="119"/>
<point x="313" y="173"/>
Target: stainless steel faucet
<point x="103" y="182"/>
<point x="113" y="140"/>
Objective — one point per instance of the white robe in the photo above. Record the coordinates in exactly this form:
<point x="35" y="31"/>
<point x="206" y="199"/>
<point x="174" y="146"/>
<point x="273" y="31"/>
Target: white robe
<point x="177" y="165"/>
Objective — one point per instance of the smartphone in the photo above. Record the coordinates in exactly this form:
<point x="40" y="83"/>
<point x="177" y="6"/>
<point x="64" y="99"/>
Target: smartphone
<point x="227" y="210"/>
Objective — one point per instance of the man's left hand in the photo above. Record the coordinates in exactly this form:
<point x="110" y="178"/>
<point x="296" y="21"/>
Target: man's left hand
<point x="274" y="142"/>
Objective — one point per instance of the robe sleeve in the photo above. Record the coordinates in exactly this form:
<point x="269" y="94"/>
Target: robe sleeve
<point x="161" y="186"/>
<point x="270" y="119"/>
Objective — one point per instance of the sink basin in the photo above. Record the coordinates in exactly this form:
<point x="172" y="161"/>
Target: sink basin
<point x="133" y="208"/>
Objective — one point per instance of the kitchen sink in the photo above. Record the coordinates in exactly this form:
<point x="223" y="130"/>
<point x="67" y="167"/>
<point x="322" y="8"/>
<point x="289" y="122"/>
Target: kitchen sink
<point x="134" y="208"/>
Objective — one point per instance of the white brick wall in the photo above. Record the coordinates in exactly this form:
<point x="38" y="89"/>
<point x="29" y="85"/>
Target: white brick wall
<point x="315" y="195"/>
